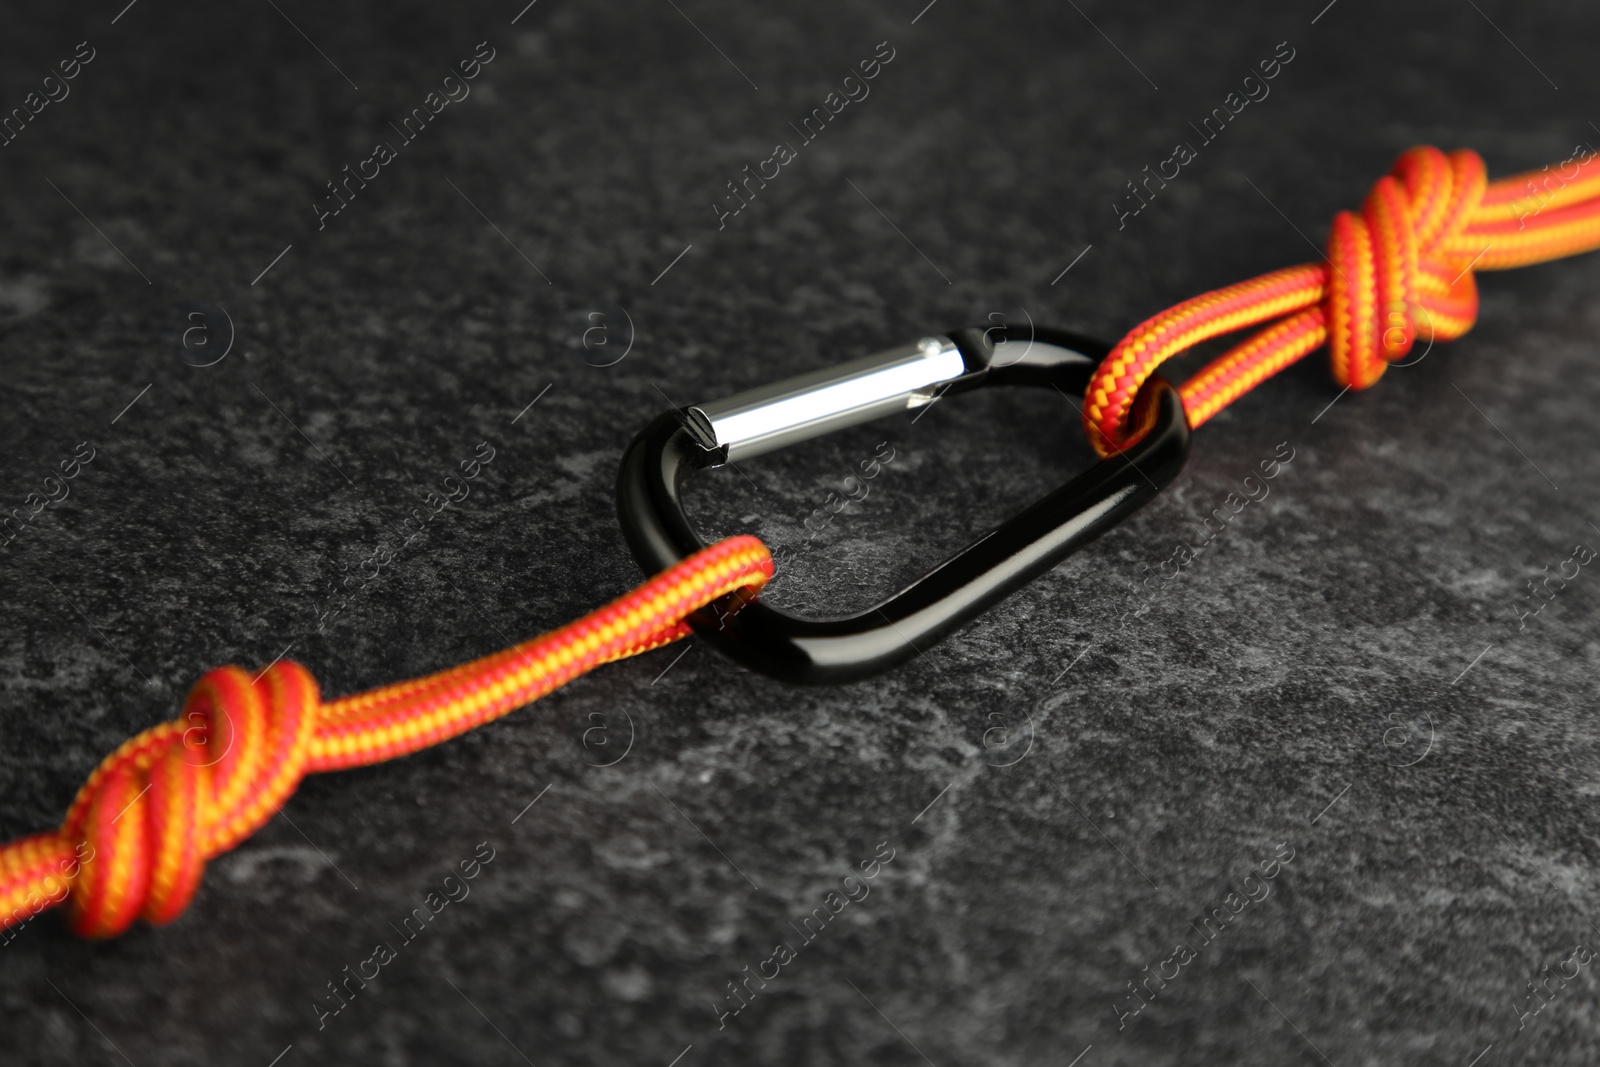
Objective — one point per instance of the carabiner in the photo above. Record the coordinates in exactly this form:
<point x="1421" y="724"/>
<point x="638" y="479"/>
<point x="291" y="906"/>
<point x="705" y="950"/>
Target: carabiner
<point x="834" y="650"/>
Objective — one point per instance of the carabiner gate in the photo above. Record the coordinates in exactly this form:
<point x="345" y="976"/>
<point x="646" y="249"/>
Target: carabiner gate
<point x="844" y="649"/>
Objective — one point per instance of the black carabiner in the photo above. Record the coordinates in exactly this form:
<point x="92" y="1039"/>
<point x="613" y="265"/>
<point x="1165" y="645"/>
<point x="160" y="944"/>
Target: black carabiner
<point x="834" y="650"/>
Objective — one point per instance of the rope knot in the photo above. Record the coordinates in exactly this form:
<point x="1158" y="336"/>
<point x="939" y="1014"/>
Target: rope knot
<point x="1396" y="270"/>
<point x="1399" y="270"/>
<point x="136" y="840"/>
<point x="175" y="796"/>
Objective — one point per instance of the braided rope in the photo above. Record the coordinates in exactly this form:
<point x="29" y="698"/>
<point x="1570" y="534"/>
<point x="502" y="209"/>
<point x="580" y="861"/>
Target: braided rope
<point x="136" y="840"/>
<point x="1399" y="271"/>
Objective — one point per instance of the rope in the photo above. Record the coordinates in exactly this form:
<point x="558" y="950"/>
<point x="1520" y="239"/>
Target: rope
<point x="136" y="840"/>
<point x="1399" y="271"/>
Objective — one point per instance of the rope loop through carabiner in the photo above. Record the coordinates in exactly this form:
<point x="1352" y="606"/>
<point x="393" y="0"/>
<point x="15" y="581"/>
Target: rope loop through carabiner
<point x="1398" y="271"/>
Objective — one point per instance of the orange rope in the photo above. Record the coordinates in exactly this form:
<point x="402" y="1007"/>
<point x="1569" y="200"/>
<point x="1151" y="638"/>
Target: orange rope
<point x="1399" y="271"/>
<point x="136" y="840"/>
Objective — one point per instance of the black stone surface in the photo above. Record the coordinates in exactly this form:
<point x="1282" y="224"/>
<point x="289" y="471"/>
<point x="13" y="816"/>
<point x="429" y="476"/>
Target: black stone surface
<point x="1064" y="786"/>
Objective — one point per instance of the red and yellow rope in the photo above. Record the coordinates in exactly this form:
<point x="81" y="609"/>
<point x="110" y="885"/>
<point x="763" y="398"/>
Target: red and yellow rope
<point x="136" y="840"/>
<point x="1399" y="271"/>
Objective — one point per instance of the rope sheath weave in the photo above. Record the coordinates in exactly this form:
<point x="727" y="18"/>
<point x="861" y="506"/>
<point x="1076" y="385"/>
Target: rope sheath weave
<point x="136" y="840"/>
<point x="1399" y="271"/>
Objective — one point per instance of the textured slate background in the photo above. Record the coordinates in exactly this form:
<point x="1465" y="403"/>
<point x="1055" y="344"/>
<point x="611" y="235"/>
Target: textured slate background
<point x="1054" y="829"/>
